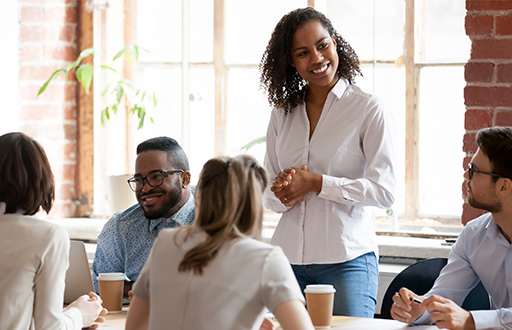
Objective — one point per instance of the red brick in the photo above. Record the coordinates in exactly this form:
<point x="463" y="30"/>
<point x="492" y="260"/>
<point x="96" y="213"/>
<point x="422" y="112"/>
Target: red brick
<point x="44" y="111"/>
<point x="62" y="209"/>
<point x="30" y="53"/>
<point x="63" y="173"/>
<point x="45" y="2"/>
<point x="38" y="72"/>
<point x="488" y="4"/>
<point x="477" y="119"/>
<point x="504" y="73"/>
<point x="504" y="25"/>
<point x="503" y="118"/>
<point x="66" y="53"/>
<point x="64" y="192"/>
<point x="54" y="92"/>
<point x="47" y="33"/>
<point x="491" y="48"/>
<point x="61" y="152"/>
<point x="479" y="25"/>
<point x="469" y="143"/>
<point x="469" y="213"/>
<point x="54" y="13"/>
<point x="488" y="96"/>
<point x="68" y="33"/>
<point x="479" y="71"/>
<point x="52" y="130"/>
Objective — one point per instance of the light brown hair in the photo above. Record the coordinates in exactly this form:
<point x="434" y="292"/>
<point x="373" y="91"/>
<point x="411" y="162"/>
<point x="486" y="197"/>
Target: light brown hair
<point x="229" y="194"/>
<point x="26" y="178"/>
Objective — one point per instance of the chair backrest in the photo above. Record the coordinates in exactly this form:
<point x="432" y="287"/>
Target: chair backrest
<point x="420" y="278"/>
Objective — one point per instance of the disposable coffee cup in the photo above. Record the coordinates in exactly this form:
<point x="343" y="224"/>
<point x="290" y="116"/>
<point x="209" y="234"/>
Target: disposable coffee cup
<point x="111" y="287"/>
<point x="319" y="302"/>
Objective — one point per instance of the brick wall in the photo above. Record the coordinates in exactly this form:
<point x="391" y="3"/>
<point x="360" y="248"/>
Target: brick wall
<point x="488" y="93"/>
<point x="48" y="38"/>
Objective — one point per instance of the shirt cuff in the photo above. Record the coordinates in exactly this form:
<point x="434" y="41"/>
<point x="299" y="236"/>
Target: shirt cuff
<point x="423" y="319"/>
<point x="486" y="319"/>
<point x="73" y="318"/>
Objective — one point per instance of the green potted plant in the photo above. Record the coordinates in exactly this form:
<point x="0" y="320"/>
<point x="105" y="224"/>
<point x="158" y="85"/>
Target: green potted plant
<point x="119" y="89"/>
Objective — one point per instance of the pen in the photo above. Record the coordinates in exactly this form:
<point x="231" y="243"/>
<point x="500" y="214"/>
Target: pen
<point x="416" y="300"/>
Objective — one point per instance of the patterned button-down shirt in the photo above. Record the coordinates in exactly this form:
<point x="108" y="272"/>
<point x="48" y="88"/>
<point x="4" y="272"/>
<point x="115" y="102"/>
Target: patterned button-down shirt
<point x="126" y="239"/>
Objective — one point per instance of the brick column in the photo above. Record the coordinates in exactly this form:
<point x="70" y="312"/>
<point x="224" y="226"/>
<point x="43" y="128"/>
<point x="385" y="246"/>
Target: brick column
<point x="488" y="92"/>
<point x="47" y="42"/>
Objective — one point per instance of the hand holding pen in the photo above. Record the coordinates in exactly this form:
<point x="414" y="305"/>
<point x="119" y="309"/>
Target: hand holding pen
<point x="407" y="306"/>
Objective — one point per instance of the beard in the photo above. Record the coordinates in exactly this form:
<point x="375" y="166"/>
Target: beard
<point x="493" y="205"/>
<point x="172" y="198"/>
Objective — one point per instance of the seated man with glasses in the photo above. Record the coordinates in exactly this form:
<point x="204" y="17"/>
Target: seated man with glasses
<point x="483" y="251"/>
<point x="162" y="186"/>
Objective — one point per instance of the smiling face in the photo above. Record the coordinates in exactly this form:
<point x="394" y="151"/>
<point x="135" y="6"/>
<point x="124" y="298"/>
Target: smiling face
<point x="164" y="200"/>
<point x="314" y="55"/>
<point x="481" y="189"/>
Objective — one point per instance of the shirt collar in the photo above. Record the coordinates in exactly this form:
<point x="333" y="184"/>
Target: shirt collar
<point x="181" y="216"/>
<point x="495" y="234"/>
<point x="339" y="89"/>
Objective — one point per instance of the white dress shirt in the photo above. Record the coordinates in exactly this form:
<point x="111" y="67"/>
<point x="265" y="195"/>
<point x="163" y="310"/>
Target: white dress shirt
<point x="34" y="257"/>
<point x="481" y="253"/>
<point x="353" y="148"/>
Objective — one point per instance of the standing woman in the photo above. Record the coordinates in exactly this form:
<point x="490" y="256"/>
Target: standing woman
<point x="216" y="274"/>
<point x="34" y="254"/>
<point x="330" y="150"/>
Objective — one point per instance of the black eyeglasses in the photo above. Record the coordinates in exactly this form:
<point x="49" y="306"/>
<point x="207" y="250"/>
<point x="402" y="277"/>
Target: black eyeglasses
<point x="471" y="170"/>
<point x="154" y="179"/>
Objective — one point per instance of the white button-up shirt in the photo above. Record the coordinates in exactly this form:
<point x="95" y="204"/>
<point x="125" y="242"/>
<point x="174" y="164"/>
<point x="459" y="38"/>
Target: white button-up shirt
<point x="353" y="148"/>
<point x="481" y="253"/>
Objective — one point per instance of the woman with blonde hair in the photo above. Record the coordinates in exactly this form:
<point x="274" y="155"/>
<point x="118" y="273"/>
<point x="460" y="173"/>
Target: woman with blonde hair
<point x="34" y="253"/>
<point x="216" y="274"/>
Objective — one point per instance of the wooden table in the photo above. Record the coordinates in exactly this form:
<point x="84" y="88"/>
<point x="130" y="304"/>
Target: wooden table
<point x="117" y="320"/>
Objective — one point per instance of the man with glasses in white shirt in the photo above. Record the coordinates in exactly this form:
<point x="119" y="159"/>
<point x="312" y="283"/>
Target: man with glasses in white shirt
<point x="162" y="186"/>
<point x="483" y="251"/>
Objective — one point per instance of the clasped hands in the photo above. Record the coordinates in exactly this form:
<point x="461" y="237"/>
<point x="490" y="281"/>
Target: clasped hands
<point x="444" y="312"/>
<point x="292" y="184"/>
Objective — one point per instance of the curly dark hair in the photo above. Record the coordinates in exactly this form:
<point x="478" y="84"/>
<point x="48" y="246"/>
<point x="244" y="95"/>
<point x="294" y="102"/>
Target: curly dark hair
<point x="283" y="84"/>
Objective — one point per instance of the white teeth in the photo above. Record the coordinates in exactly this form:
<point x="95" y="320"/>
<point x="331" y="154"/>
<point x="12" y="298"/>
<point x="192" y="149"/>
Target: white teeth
<point x="322" y="69"/>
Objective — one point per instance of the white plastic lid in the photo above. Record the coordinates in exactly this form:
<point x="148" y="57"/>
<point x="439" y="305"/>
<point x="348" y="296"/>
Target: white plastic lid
<point x="319" y="288"/>
<point x="111" y="276"/>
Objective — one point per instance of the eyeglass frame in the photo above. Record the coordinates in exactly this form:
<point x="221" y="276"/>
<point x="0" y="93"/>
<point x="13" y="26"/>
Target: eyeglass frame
<point x="144" y="179"/>
<point x="472" y="170"/>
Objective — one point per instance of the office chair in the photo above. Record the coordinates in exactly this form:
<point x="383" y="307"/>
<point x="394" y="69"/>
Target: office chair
<point x="420" y="278"/>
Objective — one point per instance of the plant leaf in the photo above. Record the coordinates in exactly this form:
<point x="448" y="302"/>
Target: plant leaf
<point x="108" y="68"/>
<point x="141" y="121"/>
<point x="154" y="99"/>
<point x="55" y="74"/>
<point x="114" y="108"/>
<point x="120" y="53"/>
<point x="84" y="76"/>
<point x="254" y="142"/>
<point x="119" y="92"/>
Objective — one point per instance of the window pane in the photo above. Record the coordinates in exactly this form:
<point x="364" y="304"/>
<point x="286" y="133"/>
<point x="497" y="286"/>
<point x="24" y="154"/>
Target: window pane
<point x="248" y="112"/>
<point x="249" y="25"/>
<point x="201" y="127"/>
<point x="158" y="29"/>
<point x="375" y="29"/>
<point x="441" y="114"/>
<point x="444" y="34"/>
<point x="201" y="31"/>
<point x="166" y="82"/>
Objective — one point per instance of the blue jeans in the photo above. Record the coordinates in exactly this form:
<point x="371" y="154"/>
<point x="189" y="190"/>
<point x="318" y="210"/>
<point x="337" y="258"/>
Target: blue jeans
<point x="355" y="281"/>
